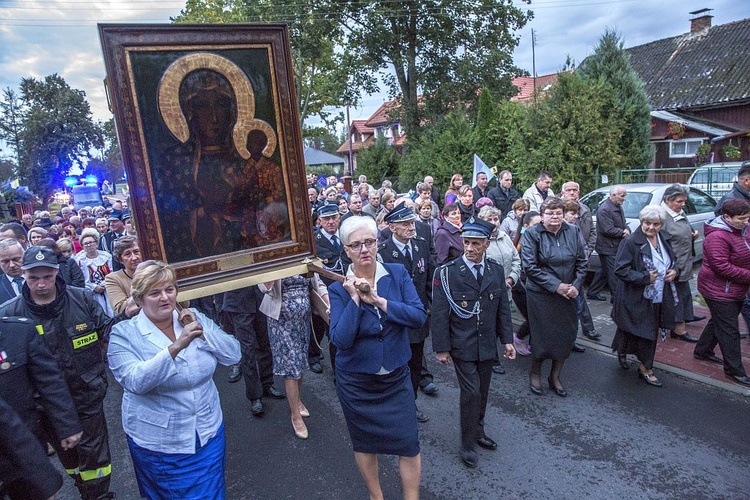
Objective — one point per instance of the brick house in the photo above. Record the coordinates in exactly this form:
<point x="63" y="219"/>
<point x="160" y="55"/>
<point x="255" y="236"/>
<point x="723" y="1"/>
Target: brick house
<point x="698" y="86"/>
<point x="364" y="133"/>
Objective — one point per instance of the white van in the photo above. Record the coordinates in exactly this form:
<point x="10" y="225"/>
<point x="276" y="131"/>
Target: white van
<point x="715" y="179"/>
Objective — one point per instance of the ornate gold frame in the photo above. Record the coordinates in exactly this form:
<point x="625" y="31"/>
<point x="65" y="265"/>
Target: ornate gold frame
<point x="146" y="65"/>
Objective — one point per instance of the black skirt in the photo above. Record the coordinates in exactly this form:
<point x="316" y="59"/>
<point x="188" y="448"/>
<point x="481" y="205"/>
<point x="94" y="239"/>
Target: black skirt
<point x="554" y="324"/>
<point x="380" y="412"/>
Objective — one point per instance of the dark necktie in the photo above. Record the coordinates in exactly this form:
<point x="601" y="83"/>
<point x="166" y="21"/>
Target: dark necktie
<point x="19" y="284"/>
<point x="336" y="245"/>
<point x="407" y="255"/>
<point x="478" y="268"/>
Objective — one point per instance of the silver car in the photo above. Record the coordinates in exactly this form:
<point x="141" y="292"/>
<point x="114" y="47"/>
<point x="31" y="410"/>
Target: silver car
<point x="699" y="208"/>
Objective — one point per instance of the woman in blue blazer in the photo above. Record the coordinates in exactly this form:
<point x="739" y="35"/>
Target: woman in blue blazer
<point x="369" y="329"/>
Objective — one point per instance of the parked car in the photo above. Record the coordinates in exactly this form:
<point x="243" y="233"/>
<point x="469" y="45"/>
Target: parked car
<point x="715" y="179"/>
<point x="699" y="208"/>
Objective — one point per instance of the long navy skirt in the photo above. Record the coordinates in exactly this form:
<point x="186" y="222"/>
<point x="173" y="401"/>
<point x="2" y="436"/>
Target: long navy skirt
<point x="193" y="476"/>
<point x="380" y="411"/>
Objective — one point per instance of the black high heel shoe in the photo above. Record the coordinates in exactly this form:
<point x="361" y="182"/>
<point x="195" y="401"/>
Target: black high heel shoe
<point x="560" y="392"/>
<point x="623" y="360"/>
<point x="535" y="389"/>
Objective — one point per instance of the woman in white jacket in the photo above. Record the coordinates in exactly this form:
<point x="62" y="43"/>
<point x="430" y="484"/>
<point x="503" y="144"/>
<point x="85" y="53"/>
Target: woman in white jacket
<point x="171" y="414"/>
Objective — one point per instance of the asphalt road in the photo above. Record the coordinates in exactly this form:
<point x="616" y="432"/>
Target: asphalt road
<point x="613" y="437"/>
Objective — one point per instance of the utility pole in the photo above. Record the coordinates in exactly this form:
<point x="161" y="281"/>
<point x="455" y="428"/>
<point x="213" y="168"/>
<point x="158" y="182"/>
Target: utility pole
<point x="533" y="62"/>
<point x="349" y="137"/>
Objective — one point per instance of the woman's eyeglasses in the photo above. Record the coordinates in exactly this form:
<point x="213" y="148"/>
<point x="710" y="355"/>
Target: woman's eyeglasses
<point x="357" y="245"/>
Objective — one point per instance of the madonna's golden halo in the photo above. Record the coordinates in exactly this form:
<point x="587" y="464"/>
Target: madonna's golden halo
<point x="174" y="117"/>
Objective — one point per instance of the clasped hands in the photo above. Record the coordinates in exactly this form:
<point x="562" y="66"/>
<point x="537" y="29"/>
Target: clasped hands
<point x="567" y="291"/>
<point x="350" y="285"/>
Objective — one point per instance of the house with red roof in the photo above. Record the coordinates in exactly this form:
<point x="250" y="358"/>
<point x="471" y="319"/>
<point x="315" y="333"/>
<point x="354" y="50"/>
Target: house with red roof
<point x="364" y="133"/>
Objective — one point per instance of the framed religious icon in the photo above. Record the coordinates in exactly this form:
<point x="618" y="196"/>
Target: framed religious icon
<point x="208" y="126"/>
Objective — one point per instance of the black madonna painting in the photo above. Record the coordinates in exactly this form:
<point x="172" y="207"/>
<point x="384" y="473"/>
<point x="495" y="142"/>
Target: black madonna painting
<point x="208" y="127"/>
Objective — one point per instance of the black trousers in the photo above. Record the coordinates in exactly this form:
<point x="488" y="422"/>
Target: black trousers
<point x="474" y="379"/>
<point x="723" y="329"/>
<point x="415" y="365"/>
<point x="584" y="314"/>
<point x="518" y="292"/>
<point x="89" y="463"/>
<point x="605" y="276"/>
<point x="251" y="330"/>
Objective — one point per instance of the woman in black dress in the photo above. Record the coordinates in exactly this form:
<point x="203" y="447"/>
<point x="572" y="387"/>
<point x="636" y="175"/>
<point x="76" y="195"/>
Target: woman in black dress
<point x="554" y="259"/>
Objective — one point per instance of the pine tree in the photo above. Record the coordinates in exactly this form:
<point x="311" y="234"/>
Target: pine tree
<point x="610" y="65"/>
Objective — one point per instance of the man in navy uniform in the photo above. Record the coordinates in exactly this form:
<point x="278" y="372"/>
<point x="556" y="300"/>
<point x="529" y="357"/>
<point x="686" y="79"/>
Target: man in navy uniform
<point x="330" y="251"/>
<point x="470" y="310"/>
<point x="27" y="367"/>
<point x="412" y="251"/>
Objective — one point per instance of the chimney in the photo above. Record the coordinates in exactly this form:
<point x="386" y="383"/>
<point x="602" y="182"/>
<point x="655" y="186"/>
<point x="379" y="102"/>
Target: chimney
<point x="702" y="22"/>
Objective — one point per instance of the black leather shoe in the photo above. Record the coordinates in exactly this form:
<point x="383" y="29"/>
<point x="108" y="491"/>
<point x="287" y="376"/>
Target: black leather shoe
<point x="486" y="443"/>
<point x="234" y="374"/>
<point x="560" y="392"/>
<point x="498" y="369"/>
<point x="738" y="379"/>
<point x="256" y="407"/>
<point x="695" y="318"/>
<point x="535" y="390"/>
<point x="686" y="337"/>
<point x="577" y="348"/>
<point x="650" y="379"/>
<point x="422" y="417"/>
<point x="711" y="358"/>
<point x="595" y="297"/>
<point x="273" y="392"/>
<point x="623" y="360"/>
<point x="470" y="459"/>
<point x="430" y="389"/>
<point x="593" y="335"/>
<point x="316" y="368"/>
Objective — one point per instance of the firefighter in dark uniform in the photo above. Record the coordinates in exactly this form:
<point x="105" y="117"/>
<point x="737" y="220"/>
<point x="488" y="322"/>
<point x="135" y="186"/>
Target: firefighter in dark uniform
<point x="330" y="251"/>
<point x="405" y="247"/>
<point x="470" y="310"/>
<point x="28" y="367"/>
<point x="74" y="327"/>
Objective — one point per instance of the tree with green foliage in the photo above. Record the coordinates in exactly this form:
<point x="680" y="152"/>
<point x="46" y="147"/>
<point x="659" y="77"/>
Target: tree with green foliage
<point x="57" y="133"/>
<point x="447" y="50"/>
<point x="324" y="76"/>
<point x="610" y="64"/>
<point x="10" y="121"/>
<point x="574" y="132"/>
<point x="109" y="165"/>
<point x="441" y="150"/>
<point x="379" y="162"/>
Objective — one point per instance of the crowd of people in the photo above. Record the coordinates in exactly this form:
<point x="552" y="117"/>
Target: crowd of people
<point x="400" y="269"/>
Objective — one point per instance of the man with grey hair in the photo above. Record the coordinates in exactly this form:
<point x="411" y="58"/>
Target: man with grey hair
<point x="434" y="193"/>
<point x="611" y="229"/>
<point x="11" y="260"/>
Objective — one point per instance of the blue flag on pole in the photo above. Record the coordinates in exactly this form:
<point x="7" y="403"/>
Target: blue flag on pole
<point x="480" y="166"/>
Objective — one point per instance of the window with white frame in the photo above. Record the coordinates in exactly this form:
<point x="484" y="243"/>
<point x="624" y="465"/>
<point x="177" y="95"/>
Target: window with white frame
<point x="685" y="148"/>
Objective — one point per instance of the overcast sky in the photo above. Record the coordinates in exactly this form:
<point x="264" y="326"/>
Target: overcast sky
<point x="41" y="37"/>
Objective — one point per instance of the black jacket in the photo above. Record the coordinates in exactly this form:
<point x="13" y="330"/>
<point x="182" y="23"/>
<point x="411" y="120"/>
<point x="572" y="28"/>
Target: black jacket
<point x="610" y="227"/>
<point x="74" y="327"/>
<point x="336" y="261"/>
<point x="503" y="201"/>
<point x="475" y="338"/>
<point x="632" y="312"/>
<point x="29" y="367"/>
<point x="70" y="272"/>
<point x="736" y="193"/>
<point x="549" y="259"/>
<point x="421" y="271"/>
